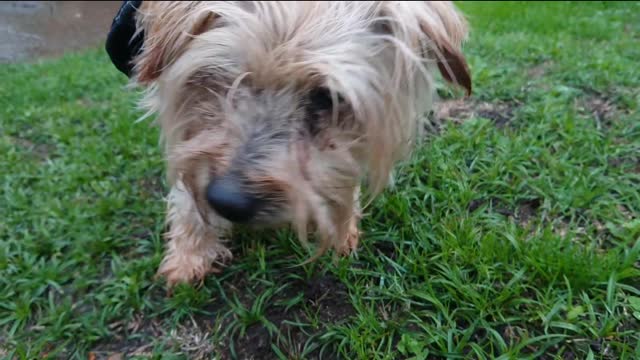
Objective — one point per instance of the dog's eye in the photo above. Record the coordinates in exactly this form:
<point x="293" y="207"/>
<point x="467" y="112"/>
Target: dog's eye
<point x="320" y="99"/>
<point x="319" y="107"/>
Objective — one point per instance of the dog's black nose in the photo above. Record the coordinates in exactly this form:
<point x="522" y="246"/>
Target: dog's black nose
<point x="227" y="198"/>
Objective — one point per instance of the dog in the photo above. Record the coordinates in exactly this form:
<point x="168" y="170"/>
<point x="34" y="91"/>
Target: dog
<point x="276" y="113"/>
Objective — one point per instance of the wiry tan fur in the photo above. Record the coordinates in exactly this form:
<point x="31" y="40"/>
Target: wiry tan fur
<point x="230" y="84"/>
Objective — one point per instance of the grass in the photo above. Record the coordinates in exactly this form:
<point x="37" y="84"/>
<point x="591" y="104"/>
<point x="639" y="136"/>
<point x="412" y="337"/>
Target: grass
<point x="512" y="234"/>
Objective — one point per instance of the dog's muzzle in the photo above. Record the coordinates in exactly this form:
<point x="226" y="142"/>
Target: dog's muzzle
<point x="226" y="196"/>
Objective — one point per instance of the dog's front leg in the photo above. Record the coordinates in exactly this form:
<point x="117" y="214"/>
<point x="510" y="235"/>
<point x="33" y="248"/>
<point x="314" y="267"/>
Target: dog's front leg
<point x="194" y="248"/>
<point x="350" y="242"/>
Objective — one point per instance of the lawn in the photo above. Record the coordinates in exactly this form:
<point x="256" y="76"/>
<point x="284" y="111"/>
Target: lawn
<point x="513" y="231"/>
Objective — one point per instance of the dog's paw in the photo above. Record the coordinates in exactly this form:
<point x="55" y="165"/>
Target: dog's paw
<point x="350" y="243"/>
<point x="189" y="269"/>
<point x="175" y="276"/>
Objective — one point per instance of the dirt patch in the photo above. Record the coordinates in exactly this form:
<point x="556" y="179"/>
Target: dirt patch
<point x="324" y="296"/>
<point x="495" y="205"/>
<point x="329" y="297"/>
<point x="603" y="107"/>
<point x="130" y="338"/>
<point x="626" y="163"/>
<point x="540" y="70"/>
<point x="140" y="335"/>
<point x="585" y="228"/>
<point x="458" y="111"/>
<point x="527" y="209"/>
<point x="523" y="212"/>
<point x="118" y="345"/>
<point x="632" y="31"/>
<point x="386" y="248"/>
<point x="511" y="334"/>
<point x="603" y="348"/>
<point x="151" y="186"/>
<point x="41" y="152"/>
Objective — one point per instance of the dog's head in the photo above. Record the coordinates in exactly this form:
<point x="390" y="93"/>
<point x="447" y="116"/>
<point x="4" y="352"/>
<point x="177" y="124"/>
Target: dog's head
<point x="276" y="111"/>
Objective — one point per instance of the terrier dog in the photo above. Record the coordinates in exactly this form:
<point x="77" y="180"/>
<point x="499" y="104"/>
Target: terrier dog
<point x="275" y="113"/>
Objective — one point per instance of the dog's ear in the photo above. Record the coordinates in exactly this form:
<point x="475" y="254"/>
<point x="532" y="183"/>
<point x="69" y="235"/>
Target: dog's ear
<point x="169" y="27"/>
<point x="448" y="29"/>
<point x="442" y="30"/>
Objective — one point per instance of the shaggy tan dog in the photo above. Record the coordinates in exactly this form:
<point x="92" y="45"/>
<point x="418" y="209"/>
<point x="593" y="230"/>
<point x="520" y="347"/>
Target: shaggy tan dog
<point x="274" y="113"/>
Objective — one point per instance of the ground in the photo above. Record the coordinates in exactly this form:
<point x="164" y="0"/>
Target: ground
<point x="512" y="232"/>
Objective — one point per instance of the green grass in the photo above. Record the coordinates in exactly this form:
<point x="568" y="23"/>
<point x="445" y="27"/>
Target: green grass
<point x="509" y="240"/>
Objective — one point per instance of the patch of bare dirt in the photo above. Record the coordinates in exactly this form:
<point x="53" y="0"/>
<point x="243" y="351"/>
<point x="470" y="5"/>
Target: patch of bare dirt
<point x="123" y="342"/>
<point x="540" y="70"/>
<point x="527" y="209"/>
<point x="138" y="337"/>
<point x="460" y="110"/>
<point x="523" y="212"/>
<point x="626" y="163"/>
<point x="151" y="186"/>
<point x="603" y="107"/>
<point x="324" y="296"/>
<point x="386" y="248"/>
<point x="41" y="152"/>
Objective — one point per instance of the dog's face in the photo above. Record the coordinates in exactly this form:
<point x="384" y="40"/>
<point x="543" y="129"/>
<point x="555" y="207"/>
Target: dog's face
<point x="274" y="112"/>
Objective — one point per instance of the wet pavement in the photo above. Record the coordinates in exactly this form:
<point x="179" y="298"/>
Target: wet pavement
<point x="34" y="29"/>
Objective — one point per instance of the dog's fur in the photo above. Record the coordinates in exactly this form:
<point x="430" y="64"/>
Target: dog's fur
<point x="299" y="101"/>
